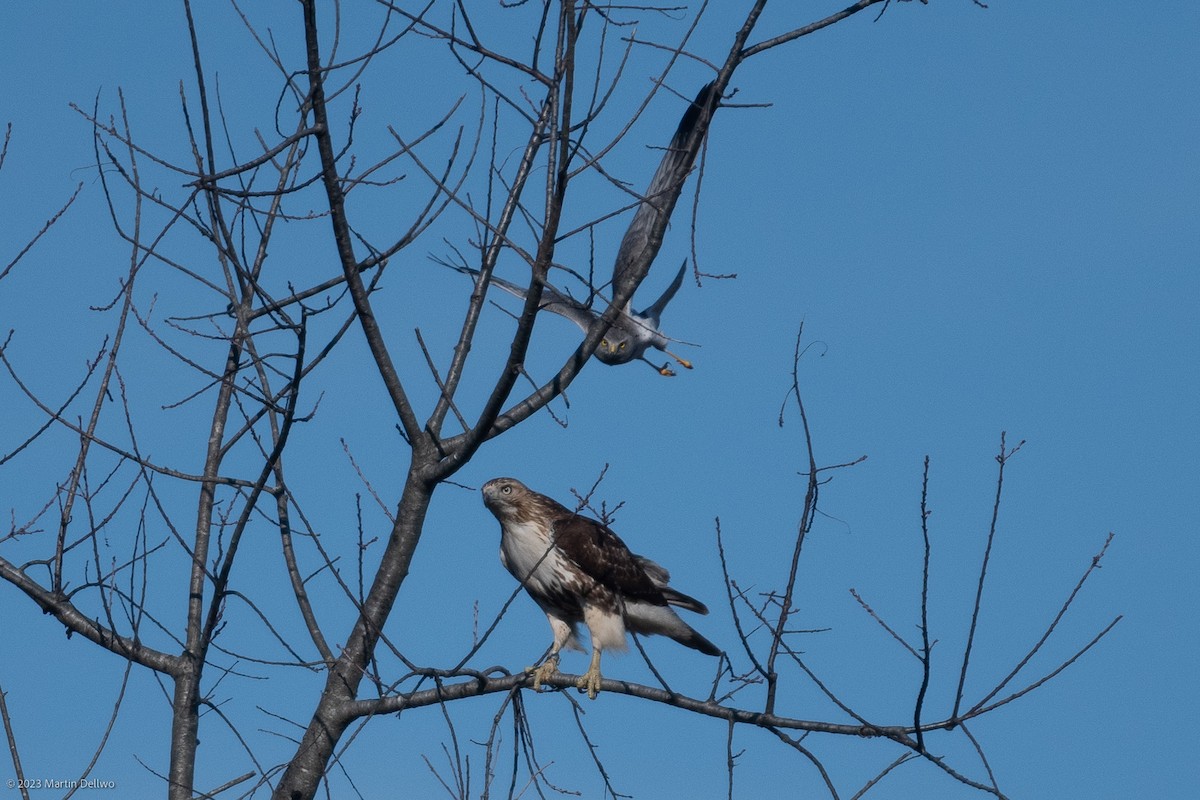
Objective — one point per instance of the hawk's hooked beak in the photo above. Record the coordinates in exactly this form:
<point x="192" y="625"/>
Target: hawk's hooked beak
<point x="494" y="492"/>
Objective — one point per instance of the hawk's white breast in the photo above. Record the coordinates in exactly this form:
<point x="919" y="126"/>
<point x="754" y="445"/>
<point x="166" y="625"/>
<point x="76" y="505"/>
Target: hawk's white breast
<point x="559" y="587"/>
<point x="527" y="553"/>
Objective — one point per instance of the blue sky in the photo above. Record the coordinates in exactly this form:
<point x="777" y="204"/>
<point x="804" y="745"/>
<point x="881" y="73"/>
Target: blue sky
<point x="987" y="220"/>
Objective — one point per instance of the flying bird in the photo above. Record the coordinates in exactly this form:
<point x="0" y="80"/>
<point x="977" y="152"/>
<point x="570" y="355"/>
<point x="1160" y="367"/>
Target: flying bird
<point x="577" y="570"/>
<point x="629" y="337"/>
<point x="632" y="333"/>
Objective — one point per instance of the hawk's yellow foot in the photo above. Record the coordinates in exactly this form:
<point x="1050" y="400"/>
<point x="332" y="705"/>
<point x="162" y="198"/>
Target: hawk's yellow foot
<point x="666" y="371"/>
<point x="683" y="362"/>
<point x="543" y="672"/>
<point x="590" y="681"/>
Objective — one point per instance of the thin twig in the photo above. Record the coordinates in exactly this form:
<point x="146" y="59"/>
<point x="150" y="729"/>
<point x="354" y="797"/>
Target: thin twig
<point x="18" y="771"/>
<point x="925" y="646"/>
<point x="1001" y="459"/>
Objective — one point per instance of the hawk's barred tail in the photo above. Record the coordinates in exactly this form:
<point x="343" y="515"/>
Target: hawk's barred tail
<point x="697" y="642"/>
<point x="648" y="618"/>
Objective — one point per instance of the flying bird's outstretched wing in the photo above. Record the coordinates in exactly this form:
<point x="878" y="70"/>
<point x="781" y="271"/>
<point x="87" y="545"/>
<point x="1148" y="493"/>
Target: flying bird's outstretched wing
<point x="662" y="193"/>
<point x="577" y="570"/>
<point x="553" y="300"/>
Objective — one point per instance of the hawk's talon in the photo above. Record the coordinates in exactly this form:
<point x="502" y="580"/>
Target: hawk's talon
<point x="683" y="362"/>
<point x="542" y="673"/>
<point x="666" y="371"/>
<point x="589" y="682"/>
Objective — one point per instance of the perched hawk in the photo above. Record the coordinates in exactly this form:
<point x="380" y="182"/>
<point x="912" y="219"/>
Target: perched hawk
<point x="578" y="570"/>
<point x="635" y="332"/>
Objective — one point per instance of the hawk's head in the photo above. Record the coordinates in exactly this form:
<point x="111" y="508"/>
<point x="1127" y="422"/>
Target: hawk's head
<point x="616" y="347"/>
<point x="508" y="498"/>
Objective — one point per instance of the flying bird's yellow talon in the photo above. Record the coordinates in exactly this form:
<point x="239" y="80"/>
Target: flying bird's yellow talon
<point x="683" y="362"/>
<point x="666" y="371"/>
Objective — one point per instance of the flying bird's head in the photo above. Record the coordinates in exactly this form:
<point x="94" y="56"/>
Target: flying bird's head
<point x="505" y="497"/>
<point x="615" y="347"/>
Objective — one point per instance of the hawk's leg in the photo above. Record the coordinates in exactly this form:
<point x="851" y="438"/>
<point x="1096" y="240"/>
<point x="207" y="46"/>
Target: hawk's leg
<point x="683" y="362"/>
<point x="590" y="680"/>
<point x="665" y="370"/>
<point x="542" y="673"/>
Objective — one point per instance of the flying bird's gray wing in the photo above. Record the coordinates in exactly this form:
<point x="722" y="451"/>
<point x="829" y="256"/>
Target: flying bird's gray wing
<point x="553" y="300"/>
<point x="653" y="313"/>
<point x="663" y="192"/>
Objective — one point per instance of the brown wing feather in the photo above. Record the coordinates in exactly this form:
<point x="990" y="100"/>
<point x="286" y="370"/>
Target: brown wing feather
<point x="604" y="557"/>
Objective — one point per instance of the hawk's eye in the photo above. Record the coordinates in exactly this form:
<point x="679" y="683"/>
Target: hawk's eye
<point x="621" y="346"/>
<point x="506" y="489"/>
<point x="604" y="343"/>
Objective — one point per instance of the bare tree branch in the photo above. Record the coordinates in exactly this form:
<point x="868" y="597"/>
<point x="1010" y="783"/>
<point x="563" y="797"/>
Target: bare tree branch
<point x="257" y="246"/>
<point x="1001" y="459"/>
